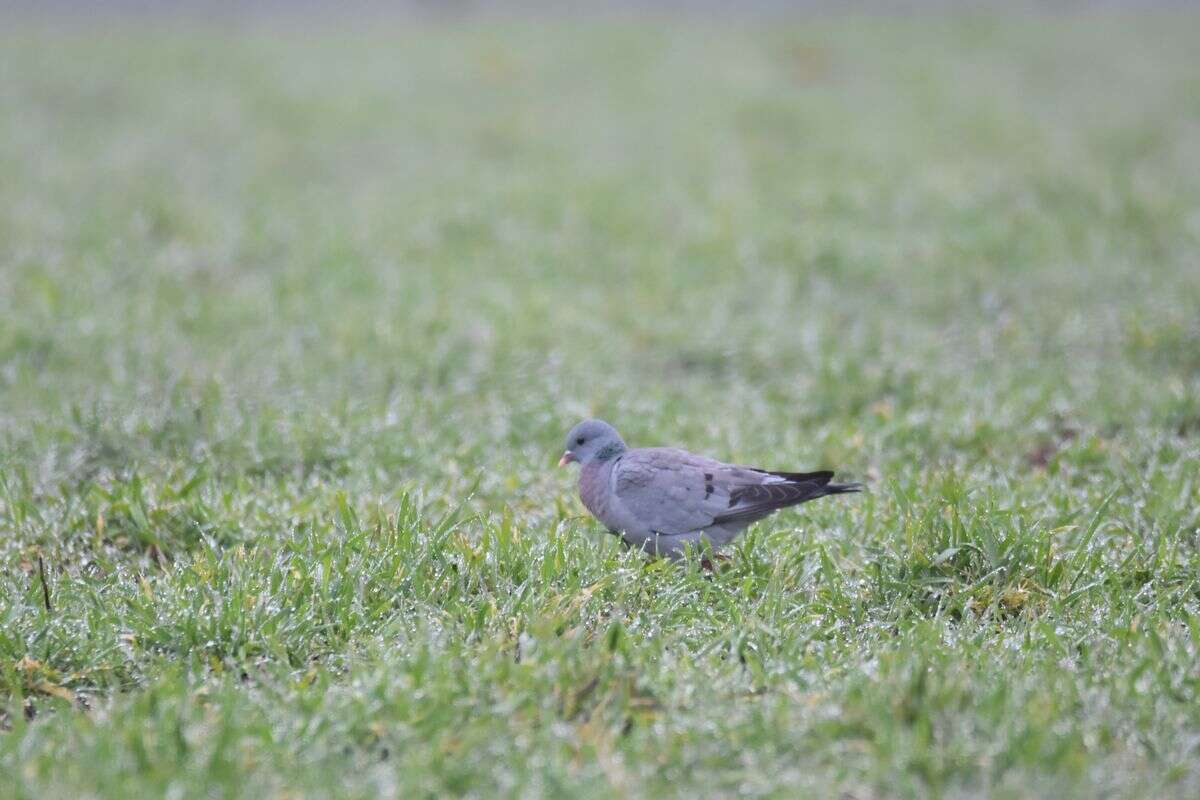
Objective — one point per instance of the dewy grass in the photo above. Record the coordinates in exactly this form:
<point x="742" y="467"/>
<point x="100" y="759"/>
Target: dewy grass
<point x="293" y="322"/>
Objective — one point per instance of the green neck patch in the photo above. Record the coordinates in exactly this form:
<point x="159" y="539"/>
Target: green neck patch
<point x="608" y="451"/>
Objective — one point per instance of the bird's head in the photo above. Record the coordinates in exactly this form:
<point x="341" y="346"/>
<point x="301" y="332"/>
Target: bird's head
<point x="592" y="439"/>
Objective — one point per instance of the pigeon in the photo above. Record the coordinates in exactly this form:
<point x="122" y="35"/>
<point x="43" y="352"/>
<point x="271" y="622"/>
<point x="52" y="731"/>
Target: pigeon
<point x="661" y="500"/>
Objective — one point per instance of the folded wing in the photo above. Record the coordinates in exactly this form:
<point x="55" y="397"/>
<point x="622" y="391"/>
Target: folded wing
<point x="673" y="491"/>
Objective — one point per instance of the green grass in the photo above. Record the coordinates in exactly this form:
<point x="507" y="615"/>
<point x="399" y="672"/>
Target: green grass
<point x="293" y="323"/>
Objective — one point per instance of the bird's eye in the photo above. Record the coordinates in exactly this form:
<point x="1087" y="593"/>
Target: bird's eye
<point x="580" y="440"/>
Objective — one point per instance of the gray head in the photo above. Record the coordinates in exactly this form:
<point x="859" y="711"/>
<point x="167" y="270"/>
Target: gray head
<point x="592" y="438"/>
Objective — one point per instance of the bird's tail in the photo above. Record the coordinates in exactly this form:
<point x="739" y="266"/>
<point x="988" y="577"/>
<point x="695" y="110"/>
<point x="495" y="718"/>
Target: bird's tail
<point x="842" y="488"/>
<point x="751" y="503"/>
<point x="819" y="481"/>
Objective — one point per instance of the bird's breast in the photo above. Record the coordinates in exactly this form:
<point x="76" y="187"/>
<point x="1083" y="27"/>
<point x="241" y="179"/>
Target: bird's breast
<point x="594" y="490"/>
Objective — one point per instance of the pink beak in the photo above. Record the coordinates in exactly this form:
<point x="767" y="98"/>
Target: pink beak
<point x="567" y="458"/>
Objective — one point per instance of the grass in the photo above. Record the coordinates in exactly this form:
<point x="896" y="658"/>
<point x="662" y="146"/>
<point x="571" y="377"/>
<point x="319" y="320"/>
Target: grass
<point x="293" y="323"/>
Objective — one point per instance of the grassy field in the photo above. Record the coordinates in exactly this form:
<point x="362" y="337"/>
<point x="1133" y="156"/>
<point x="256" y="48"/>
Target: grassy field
<point x="293" y="324"/>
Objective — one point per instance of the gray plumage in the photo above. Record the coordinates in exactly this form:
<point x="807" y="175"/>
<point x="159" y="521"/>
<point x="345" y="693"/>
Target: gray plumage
<point x="660" y="499"/>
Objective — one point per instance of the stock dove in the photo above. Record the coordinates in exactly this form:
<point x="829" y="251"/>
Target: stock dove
<point x="660" y="499"/>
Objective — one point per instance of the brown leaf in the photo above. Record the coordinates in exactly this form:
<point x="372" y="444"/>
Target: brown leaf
<point x="45" y="687"/>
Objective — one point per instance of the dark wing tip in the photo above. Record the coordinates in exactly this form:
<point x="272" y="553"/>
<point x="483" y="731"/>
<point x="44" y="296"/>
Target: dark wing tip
<point x="821" y="477"/>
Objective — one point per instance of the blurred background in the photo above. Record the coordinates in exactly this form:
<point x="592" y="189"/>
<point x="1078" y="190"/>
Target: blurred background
<point x="421" y="239"/>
